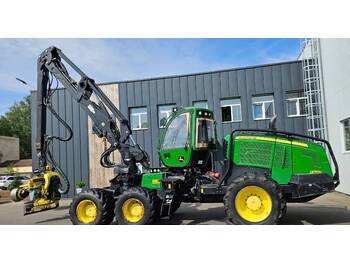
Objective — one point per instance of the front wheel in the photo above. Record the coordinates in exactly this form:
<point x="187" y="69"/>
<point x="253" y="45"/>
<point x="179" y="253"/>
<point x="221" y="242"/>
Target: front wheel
<point x="93" y="207"/>
<point x="253" y="199"/>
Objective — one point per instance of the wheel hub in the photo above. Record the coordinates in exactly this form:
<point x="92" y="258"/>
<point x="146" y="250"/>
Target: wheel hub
<point x="254" y="203"/>
<point x="86" y="211"/>
<point x="133" y="210"/>
<point x="136" y="210"/>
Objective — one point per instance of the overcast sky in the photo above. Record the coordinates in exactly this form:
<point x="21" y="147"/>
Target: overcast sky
<point x="121" y="59"/>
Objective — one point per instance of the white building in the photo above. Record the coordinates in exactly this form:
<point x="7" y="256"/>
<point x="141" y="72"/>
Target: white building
<point x="326" y="66"/>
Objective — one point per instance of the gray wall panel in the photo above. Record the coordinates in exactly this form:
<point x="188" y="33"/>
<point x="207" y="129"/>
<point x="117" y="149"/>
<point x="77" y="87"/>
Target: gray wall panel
<point x="176" y="90"/>
<point x="242" y="83"/>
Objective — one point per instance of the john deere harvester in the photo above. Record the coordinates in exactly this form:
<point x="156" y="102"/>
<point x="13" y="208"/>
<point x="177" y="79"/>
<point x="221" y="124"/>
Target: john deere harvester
<point x="264" y="169"/>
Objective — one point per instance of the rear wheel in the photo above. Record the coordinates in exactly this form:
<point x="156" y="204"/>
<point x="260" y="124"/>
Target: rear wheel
<point x="93" y="207"/>
<point x="135" y="206"/>
<point x="253" y="199"/>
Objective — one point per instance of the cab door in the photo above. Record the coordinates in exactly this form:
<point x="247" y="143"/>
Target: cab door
<point x="176" y="148"/>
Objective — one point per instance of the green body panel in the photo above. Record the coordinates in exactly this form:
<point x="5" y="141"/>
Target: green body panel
<point x="282" y="170"/>
<point x="284" y="157"/>
<point x="152" y="180"/>
<point x="180" y="157"/>
<point x="314" y="160"/>
<point x="177" y="157"/>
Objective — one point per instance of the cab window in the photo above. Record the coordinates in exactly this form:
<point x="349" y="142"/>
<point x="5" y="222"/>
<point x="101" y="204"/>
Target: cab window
<point x="205" y="134"/>
<point x="176" y="135"/>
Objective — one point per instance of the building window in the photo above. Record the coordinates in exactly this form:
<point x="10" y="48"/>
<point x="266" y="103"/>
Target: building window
<point x="200" y="104"/>
<point x="346" y="131"/>
<point x="296" y="106"/>
<point x="263" y="107"/>
<point x="231" y="110"/>
<point x="163" y="113"/>
<point x="138" y="118"/>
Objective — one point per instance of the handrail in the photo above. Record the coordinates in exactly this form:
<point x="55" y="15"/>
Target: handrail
<point x="294" y="135"/>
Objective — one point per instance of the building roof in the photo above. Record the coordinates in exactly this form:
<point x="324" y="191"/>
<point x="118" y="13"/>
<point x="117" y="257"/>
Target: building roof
<point x="201" y="73"/>
<point x="9" y="138"/>
<point x="191" y="74"/>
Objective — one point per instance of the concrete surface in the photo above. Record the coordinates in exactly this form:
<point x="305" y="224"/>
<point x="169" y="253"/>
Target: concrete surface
<point x="333" y="208"/>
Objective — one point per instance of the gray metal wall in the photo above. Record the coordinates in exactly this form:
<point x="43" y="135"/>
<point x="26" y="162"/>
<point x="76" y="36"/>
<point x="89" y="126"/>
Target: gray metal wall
<point x="276" y="79"/>
<point x="72" y="156"/>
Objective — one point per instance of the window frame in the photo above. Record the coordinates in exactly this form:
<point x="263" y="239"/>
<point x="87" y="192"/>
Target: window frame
<point x="263" y="107"/>
<point x="231" y="105"/>
<point x="203" y="145"/>
<point x="188" y="128"/>
<point x="346" y="151"/>
<point x="171" y="111"/>
<point x="298" y="114"/>
<point x="139" y="118"/>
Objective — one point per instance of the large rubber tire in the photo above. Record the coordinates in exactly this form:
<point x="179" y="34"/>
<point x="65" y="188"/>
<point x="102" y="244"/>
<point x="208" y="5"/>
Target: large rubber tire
<point x="148" y="199"/>
<point x="104" y="203"/>
<point x="255" y="180"/>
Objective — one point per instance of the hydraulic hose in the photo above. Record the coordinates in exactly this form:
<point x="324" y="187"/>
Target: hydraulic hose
<point x="63" y="189"/>
<point x="66" y="185"/>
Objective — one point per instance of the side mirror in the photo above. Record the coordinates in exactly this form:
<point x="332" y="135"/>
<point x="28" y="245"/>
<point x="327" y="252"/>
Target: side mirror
<point x="272" y="123"/>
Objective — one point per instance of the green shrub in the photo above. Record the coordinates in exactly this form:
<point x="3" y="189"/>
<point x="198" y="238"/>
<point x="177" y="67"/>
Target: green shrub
<point x="80" y="184"/>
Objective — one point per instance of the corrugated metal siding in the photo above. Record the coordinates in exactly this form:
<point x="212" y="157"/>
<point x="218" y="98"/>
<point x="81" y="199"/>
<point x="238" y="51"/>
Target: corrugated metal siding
<point x="72" y="156"/>
<point x="276" y="79"/>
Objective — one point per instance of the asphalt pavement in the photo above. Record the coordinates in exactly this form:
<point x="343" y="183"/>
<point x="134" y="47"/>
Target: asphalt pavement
<point x="333" y="208"/>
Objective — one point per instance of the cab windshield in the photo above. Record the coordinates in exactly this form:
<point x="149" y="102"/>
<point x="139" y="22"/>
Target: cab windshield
<point x="205" y="133"/>
<point x="176" y="135"/>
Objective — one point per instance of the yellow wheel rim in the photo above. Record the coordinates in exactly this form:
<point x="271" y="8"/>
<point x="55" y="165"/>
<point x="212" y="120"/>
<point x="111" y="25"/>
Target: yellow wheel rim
<point x="133" y="210"/>
<point x="86" y="211"/>
<point x="253" y="204"/>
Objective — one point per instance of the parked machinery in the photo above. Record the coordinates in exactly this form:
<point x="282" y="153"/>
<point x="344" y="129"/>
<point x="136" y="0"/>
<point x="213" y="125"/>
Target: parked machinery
<point x="264" y="169"/>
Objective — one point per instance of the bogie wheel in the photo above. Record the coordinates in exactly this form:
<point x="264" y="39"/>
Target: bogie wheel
<point x="135" y="206"/>
<point x="93" y="207"/>
<point x="253" y="199"/>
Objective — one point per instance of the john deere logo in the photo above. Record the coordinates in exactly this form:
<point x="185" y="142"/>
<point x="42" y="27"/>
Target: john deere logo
<point x="181" y="158"/>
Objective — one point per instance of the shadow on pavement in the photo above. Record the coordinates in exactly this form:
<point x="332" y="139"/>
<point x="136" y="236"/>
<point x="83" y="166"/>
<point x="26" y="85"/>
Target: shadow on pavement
<point x="53" y="219"/>
<point x="296" y="215"/>
<point x="194" y="214"/>
<point x="61" y="208"/>
<point x="316" y="215"/>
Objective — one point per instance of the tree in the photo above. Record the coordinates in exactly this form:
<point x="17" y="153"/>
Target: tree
<point x="16" y="123"/>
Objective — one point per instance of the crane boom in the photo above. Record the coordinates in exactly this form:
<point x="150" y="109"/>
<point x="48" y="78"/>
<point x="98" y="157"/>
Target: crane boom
<point x="45" y="186"/>
<point x="104" y="114"/>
